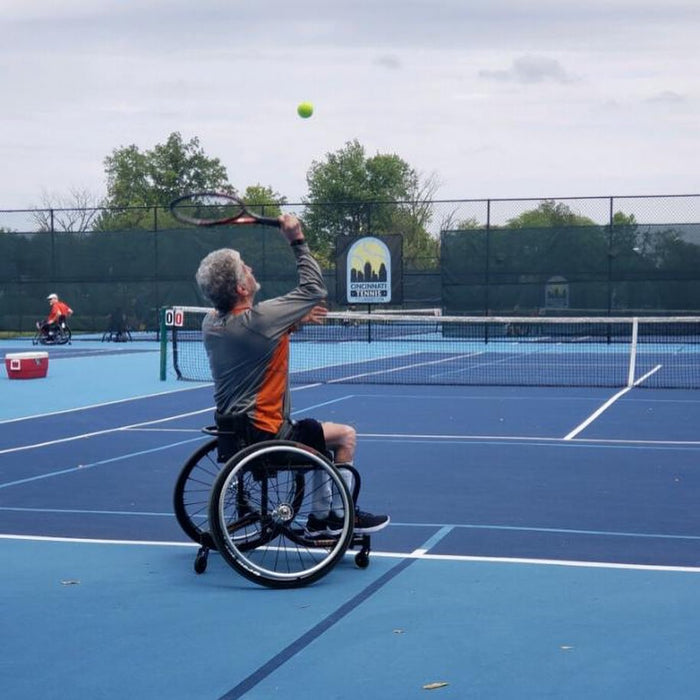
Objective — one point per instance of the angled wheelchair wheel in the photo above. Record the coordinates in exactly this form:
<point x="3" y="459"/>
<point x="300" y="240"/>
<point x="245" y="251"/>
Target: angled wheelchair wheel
<point x="63" y="335"/>
<point x="259" y="507"/>
<point x="192" y="490"/>
<point x="192" y="494"/>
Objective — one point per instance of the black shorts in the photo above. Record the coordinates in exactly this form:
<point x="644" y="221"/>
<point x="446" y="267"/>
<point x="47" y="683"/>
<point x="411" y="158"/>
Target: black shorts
<point x="307" y="431"/>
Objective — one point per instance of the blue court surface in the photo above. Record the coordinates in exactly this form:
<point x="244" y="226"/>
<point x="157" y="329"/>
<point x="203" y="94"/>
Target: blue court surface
<point x="544" y="543"/>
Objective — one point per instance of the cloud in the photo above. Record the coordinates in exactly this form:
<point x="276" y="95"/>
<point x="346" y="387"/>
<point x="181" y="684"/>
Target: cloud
<point x="666" y="97"/>
<point x="530" y="69"/>
<point x="402" y="76"/>
<point x="389" y="61"/>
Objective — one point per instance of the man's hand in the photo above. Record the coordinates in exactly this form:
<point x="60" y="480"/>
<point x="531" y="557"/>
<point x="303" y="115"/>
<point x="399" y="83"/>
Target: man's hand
<point x="291" y="228"/>
<point x="317" y="316"/>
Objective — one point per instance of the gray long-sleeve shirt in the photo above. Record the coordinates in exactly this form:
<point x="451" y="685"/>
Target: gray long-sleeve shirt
<point x="249" y="351"/>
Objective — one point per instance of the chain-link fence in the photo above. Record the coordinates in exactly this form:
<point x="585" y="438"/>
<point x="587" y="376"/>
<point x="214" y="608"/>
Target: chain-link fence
<point x="575" y="256"/>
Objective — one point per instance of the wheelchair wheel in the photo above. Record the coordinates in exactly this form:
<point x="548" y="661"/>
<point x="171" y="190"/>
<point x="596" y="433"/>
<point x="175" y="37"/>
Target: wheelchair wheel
<point x="278" y="483"/>
<point x="192" y="494"/>
<point x="192" y="489"/>
<point x="63" y="335"/>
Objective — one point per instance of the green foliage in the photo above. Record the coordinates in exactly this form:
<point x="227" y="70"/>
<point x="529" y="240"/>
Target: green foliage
<point x="351" y="194"/>
<point x="621" y="219"/>
<point x="469" y="224"/>
<point x="263" y="200"/>
<point x="139" y="180"/>
<point x="158" y="176"/>
<point x="549" y="213"/>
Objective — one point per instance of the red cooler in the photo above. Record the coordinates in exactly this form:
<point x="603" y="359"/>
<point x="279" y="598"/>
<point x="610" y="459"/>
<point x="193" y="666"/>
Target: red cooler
<point x="27" y="365"/>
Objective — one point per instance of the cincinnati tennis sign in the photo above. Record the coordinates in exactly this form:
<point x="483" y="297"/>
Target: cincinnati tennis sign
<point x="369" y="269"/>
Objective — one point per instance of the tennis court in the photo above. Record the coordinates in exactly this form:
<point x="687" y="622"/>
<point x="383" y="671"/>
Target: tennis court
<point x="545" y="541"/>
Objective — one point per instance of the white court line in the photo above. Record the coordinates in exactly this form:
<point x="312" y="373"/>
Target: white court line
<point x="403" y="367"/>
<point x="133" y="426"/>
<point x="416" y="554"/>
<point x="106" y="431"/>
<point x="84" y="467"/>
<point x="88" y="540"/>
<point x="442" y="530"/>
<point x="609" y="403"/>
<point x="162" y="430"/>
<point x="98" y="405"/>
<point x="323" y="403"/>
<point x="543" y="562"/>
<point x="525" y="438"/>
<point x="690" y="443"/>
<point x="146" y="427"/>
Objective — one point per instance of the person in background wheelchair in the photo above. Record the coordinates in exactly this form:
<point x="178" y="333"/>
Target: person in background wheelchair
<point x="59" y="313"/>
<point x="247" y="345"/>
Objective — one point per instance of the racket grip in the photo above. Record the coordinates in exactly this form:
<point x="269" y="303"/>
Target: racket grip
<point x="269" y="221"/>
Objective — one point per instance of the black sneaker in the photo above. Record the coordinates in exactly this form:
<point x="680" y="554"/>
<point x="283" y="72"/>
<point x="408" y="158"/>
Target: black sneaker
<point x="367" y="522"/>
<point x="319" y="527"/>
<point x="332" y="524"/>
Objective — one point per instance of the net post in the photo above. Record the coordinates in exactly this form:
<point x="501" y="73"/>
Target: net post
<point x="633" y="351"/>
<point x="163" y="344"/>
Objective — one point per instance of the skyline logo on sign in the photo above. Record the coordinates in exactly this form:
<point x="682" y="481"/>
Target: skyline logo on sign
<point x="369" y="272"/>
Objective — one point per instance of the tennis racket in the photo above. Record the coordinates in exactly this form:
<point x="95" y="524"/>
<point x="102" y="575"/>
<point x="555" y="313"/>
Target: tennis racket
<point x="216" y="209"/>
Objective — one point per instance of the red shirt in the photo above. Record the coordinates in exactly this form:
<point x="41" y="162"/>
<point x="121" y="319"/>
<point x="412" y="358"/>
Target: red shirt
<point x="59" y="308"/>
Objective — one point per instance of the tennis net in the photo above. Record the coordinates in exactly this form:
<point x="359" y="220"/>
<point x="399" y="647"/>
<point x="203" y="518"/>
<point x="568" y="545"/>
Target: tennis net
<point x="378" y="348"/>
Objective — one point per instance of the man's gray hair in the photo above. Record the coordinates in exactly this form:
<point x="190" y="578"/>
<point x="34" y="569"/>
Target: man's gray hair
<point x="218" y="275"/>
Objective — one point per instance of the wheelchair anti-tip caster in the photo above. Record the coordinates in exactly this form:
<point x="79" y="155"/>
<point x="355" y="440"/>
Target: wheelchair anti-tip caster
<point x="201" y="560"/>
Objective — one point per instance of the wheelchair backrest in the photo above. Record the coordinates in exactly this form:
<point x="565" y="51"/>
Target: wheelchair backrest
<point x="233" y="434"/>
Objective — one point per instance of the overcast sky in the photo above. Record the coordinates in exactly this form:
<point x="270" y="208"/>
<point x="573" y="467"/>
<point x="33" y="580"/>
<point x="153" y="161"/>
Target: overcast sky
<point x="497" y="98"/>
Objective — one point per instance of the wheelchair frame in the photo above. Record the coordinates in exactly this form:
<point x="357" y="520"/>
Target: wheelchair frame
<point x="62" y="335"/>
<point x="252" y="510"/>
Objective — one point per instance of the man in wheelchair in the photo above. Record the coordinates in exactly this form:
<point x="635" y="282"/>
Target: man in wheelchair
<point x="54" y="328"/>
<point x="248" y="349"/>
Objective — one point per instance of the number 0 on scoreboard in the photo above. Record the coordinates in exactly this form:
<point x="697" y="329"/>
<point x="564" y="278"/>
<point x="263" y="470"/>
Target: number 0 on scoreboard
<point x="175" y="317"/>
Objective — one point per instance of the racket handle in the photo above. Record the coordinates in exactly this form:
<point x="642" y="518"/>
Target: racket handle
<point x="269" y="221"/>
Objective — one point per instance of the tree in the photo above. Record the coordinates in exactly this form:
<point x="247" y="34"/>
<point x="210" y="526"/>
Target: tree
<point x="351" y="194"/>
<point x="411" y="219"/>
<point x="624" y="240"/>
<point x="157" y="176"/>
<point x="549" y="213"/>
<point x="450" y="222"/>
<point x="263" y="200"/>
<point x="138" y="180"/>
<point x="75" y="212"/>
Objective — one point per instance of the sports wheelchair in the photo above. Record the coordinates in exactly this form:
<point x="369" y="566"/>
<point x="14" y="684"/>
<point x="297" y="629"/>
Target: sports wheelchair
<point x="53" y="334"/>
<point x="253" y="506"/>
<point x="117" y="330"/>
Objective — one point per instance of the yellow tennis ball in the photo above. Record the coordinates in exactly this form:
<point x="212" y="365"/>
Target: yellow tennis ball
<point x="305" y="110"/>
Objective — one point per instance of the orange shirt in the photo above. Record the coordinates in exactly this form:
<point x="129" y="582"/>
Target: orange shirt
<point x="59" y="308"/>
